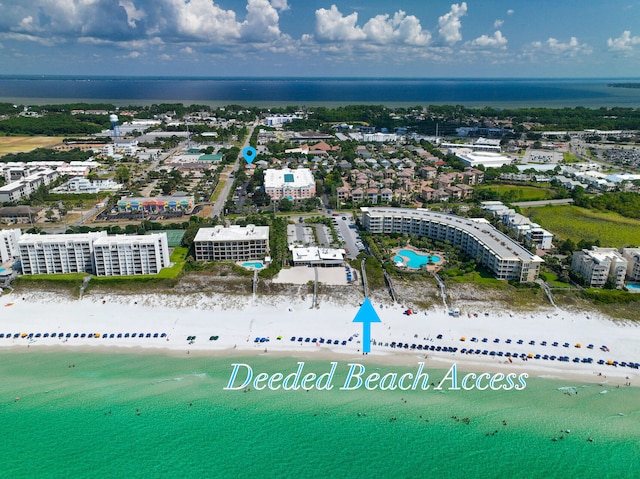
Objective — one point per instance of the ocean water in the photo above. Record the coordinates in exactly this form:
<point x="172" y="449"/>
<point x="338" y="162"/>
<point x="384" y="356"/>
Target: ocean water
<point x="146" y="415"/>
<point x="313" y="91"/>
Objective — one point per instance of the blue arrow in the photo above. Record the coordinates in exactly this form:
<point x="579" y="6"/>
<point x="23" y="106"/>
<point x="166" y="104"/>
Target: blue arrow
<point x="366" y="315"/>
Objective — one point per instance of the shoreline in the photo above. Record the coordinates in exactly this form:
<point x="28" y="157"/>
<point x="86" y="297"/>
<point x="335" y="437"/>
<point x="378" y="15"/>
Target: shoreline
<point x="237" y="323"/>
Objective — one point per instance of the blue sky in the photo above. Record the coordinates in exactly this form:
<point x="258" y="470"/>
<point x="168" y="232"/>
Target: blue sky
<point x="380" y="38"/>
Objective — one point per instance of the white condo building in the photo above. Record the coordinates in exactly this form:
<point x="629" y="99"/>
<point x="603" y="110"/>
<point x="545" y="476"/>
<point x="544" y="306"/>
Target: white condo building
<point x="632" y="255"/>
<point x="124" y="255"/>
<point x="598" y="265"/>
<point x="505" y="258"/>
<point x="291" y="184"/>
<point x="58" y="253"/>
<point x="25" y="187"/>
<point x="9" y="244"/>
<point x="235" y="243"/>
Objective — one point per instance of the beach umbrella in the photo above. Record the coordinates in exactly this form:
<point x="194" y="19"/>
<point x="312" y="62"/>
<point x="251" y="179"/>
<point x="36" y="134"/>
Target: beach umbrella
<point x="463" y="338"/>
<point x="578" y="345"/>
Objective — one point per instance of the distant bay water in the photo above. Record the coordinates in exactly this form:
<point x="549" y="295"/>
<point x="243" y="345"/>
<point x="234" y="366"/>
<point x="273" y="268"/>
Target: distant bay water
<point x="499" y="93"/>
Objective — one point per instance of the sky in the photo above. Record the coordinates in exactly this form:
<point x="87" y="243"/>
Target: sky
<point x="310" y="38"/>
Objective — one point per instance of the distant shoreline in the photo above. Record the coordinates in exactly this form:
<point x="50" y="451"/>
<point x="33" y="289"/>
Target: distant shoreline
<point x="312" y="91"/>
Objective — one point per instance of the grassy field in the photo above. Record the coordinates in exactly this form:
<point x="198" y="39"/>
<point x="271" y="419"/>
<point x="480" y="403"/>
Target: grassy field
<point x="566" y="221"/>
<point x="520" y="192"/>
<point x="20" y="144"/>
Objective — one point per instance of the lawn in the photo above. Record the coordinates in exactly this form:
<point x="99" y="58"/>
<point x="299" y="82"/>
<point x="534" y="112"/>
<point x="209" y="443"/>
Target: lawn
<point x="567" y="221"/>
<point x="513" y="193"/>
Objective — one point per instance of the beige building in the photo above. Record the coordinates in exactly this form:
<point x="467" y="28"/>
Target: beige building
<point x="236" y="243"/>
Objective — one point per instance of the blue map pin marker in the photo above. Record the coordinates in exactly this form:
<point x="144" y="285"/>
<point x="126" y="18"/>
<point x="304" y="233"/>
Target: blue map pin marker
<point x="249" y="154"/>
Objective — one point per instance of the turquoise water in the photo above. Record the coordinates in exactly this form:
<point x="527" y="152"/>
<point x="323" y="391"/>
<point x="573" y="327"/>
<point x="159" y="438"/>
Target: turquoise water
<point x="633" y="286"/>
<point x="145" y="415"/>
<point x="253" y="264"/>
<point x="415" y="260"/>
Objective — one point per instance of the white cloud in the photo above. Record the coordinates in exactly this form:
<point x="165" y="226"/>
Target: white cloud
<point x="624" y="43"/>
<point x="450" y="23"/>
<point x="261" y="23"/>
<point x="384" y="29"/>
<point x="133" y="15"/>
<point x="497" y="40"/>
<point x="332" y="26"/>
<point x="204" y="20"/>
<point x="498" y="23"/>
<point x="571" y="48"/>
<point x="280" y="4"/>
<point x="510" y="12"/>
<point x="400" y="28"/>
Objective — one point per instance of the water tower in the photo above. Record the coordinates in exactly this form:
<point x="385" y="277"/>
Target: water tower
<point x="114" y="127"/>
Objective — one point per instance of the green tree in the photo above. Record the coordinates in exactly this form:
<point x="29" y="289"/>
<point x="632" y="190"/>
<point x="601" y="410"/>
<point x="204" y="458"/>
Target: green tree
<point x="123" y="175"/>
<point x="285" y="205"/>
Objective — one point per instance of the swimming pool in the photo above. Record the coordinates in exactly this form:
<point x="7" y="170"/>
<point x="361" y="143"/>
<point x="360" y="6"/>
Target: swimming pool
<point x="253" y="265"/>
<point x="635" y="287"/>
<point x="415" y="260"/>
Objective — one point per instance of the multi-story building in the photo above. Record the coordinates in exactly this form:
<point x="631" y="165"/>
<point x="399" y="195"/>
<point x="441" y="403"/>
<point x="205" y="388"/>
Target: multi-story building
<point x="481" y="241"/>
<point x="125" y="255"/>
<point x="9" y="244"/>
<point x="25" y="187"/>
<point x="235" y="243"/>
<point x="598" y="265"/>
<point x="57" y="253"/>
<point x="632" y="255"/>
<point x="294" y="185"/>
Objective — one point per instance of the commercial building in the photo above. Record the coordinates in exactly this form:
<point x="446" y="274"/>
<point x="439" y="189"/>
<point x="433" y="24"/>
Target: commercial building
<point x="599" y="265"/>
<point x="124" y="255"/>
<point x="156" y="204"/>
<point x="235" y="243"/>
<point x="58" y="253"/>
<point x="9" y="244"/>
<point x="20" y="214"/>
<point x="314" y="256"/>
<point x="489" y="159"/>
<point x="294" y="185"/>
<point x="505" y="258"/>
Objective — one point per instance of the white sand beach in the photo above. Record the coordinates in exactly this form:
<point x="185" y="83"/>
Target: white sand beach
<point x="166" y="322"/>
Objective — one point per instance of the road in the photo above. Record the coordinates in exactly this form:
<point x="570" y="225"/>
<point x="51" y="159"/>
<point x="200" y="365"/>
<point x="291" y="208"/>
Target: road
<point x="218" y="207"/>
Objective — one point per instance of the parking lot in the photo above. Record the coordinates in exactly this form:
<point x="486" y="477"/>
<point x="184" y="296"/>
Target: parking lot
<point x="348" y="233"/>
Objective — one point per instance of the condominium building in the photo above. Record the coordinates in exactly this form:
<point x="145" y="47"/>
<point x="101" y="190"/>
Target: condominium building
<point x="9" y="244"/>
<point x="25" y="187"/>
<point x="124" y="255"/>
<point x="235" y="243"/>
<point x="505" y="258"/>
<point x="598" y="265"/>
<point x="57" y="253"/>
<point x="295" y="184"/>
<point x="632" y="255"/>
